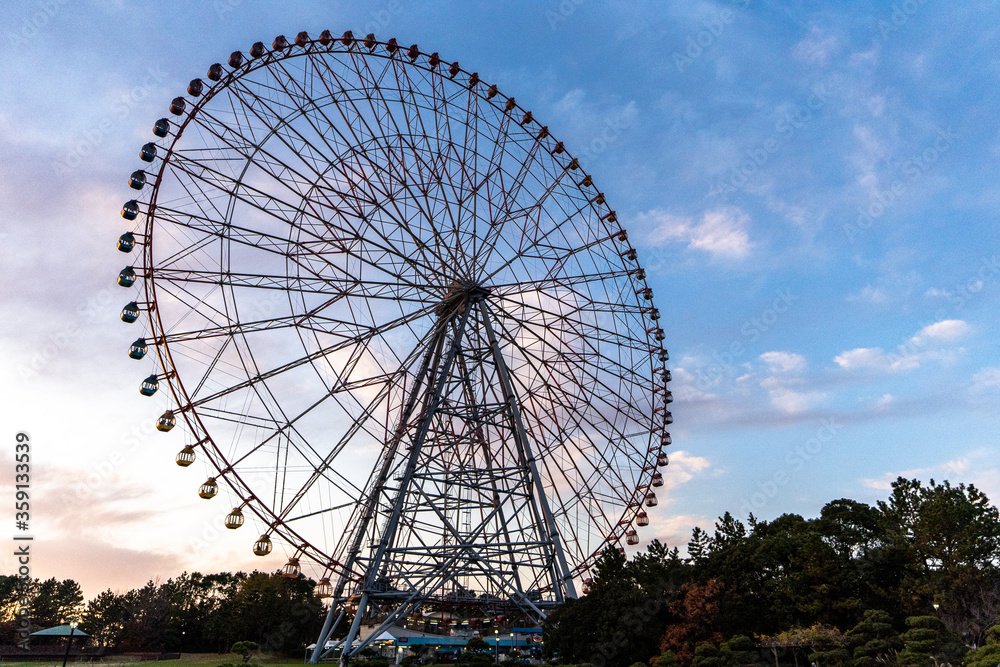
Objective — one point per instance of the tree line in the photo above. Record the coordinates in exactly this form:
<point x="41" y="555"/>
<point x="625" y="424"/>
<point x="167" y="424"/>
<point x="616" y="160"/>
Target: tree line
<point x="912" y="581"/>
<point x="192" y="612"/>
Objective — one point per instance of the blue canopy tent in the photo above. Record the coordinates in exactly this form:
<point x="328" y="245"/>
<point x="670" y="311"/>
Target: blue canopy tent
<point x="68" y="631"/>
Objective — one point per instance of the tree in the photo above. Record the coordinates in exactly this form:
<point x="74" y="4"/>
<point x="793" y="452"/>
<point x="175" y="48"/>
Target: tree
<point x="477" y="645"/>
<point x="105" y="617"/>
<point x="665" y="659"/>
<point x="697" y="614"/>
<point x="738" y="650"/>
<point x="873" y="639"/>
<point x="277" y="612"/>
<point x="707" y="655"/>
<point x="245" y="649"/>
<point x="987" y="655"/>
<point x="622" y="618"/>
<point x="476" y="653"/>
<point x="927" y="641"/>
<point x="951" y="537"/>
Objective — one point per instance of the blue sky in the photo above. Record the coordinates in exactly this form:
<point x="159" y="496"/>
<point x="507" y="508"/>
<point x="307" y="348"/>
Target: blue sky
<point x="811" y="189"/>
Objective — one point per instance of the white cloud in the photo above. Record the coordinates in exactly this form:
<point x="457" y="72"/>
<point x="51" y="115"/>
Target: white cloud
<point x="721" y="232"/>
<point x="815" y="49"/>
<point x="862" y="357"/>
<point x="683" y="467"/>
<point x="977" y="467"/>
<point x="871" y="152"/>
<point x="909" y="355"/>
<point x="988" y="378"/>
<point x="790" y="401"/>
<point x="884" y="401"/>
<point x="870" y="294"/>
<point x="784" y="362"/>
<point x="946" y="330"/>
<point x="934" y="292"/>
<point x="780" y="386"/>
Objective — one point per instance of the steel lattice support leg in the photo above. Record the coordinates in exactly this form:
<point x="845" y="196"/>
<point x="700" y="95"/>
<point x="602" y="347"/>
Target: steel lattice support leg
<point x="560" y="566"/>
<point x="388" y="534"/>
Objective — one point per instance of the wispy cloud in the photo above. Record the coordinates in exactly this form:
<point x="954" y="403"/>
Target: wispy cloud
<point x="784" y="362"/>
<point x="816" y="49"/>
<point x="986" y="379"/>
<point x="722" y="232"/>
<point x="972" y="467"/>
<point x="925" y="345"/>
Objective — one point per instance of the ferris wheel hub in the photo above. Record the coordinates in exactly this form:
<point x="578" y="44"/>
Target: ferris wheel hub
<point x="460" y="293"/>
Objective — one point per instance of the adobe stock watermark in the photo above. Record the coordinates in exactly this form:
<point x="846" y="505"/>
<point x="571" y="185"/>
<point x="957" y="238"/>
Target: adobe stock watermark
<point x="562" y="12"/>
<point x="611" y="131"/>
<point x="32" y="25"/>
<point x="88" y="140"/>
<point x="785" y="129"/>
<point x="49" y="348"/>
<point x="989" y="267"/>
<point x="912" y="170"/>
<point x="22" y="540"/>
<point x="701" y="41"/>
<point x="795" y="460"/>
<point x="101" y="472"/>
<point x="901" y="14"/>
<point x="750" y="332"/>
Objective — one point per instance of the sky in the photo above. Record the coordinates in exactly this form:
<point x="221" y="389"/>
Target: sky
<point x="810" y="186"/>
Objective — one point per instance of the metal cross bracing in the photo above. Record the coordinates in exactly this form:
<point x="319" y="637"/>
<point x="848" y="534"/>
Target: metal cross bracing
<point x="465" y="490"/>
<point x="400" y="326"/>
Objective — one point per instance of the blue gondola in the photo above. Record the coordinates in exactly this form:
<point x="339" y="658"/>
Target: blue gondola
<point x="126" y="278"/>
<point x="148" y="152"/>
<point x="126" y="242"/>
<point x="130" y="211"/>
<point x="138" y="349"/>
<point x="149" y="386"/>
<point x="130" y="313"/>
<point x="137" y="179"/>
<point x="162" y="127"/>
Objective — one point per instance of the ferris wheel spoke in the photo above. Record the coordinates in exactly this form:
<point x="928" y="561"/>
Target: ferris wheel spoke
<point x="283" y="181"/>
<point x="259" y="200"/>
<point x="316" y="285"/>
<point x="313" y="356"/>
<point x="326" y="464"/>
<point x="562" y="281"/>
<point x="570" y="318"/>
<point x="567" y="250"/>
<point x="391" y="157"/>
<point x="593" y="380"/>
<point x="417" y="131"/>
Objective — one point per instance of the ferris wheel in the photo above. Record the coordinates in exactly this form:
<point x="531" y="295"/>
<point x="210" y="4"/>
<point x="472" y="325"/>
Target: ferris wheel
<point x="401" y="326"/>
